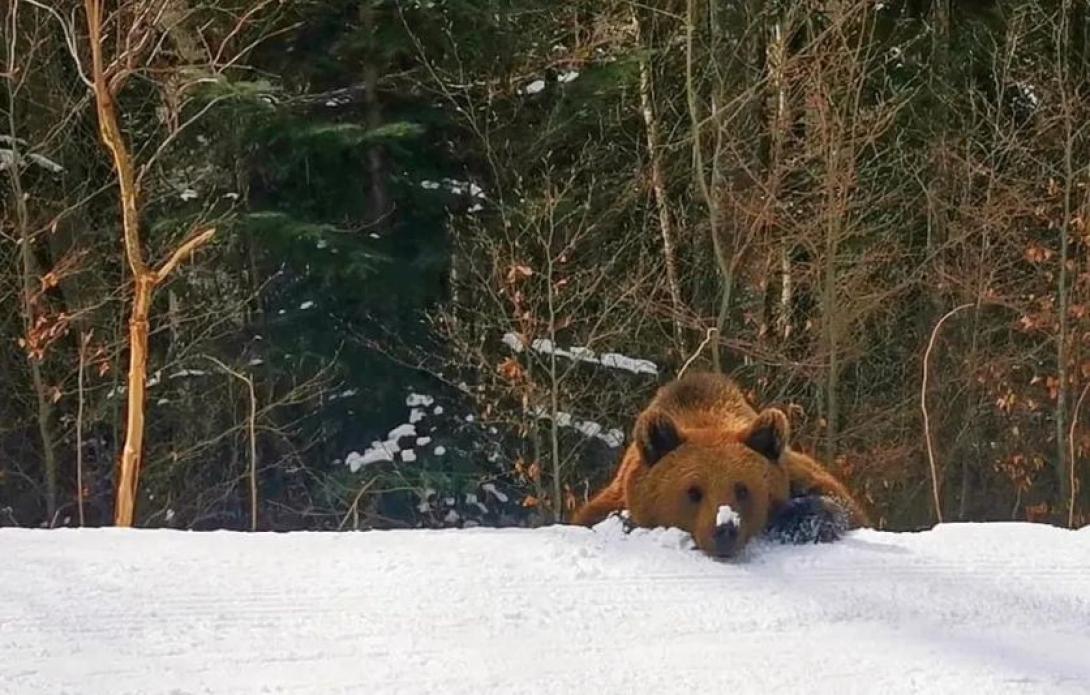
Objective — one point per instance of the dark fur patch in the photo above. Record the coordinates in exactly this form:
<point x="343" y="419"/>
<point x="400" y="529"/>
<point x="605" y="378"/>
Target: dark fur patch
<point x="768" y="434"/>
<point x="809" y="519"/>
<point x="657" y="437"/>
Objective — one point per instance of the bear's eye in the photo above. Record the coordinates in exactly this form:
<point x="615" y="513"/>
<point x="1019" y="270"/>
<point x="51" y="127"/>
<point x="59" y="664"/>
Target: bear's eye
<point x="741" y="492"/>
<point x="695" y="494"/>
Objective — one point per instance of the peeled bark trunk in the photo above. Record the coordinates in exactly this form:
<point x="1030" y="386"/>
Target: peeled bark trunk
<point x="145" y="279"/>
<point x="129" y="476"/>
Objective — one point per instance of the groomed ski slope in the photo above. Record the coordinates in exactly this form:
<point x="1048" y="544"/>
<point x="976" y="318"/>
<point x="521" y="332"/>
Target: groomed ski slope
<point x="996" y="608"/>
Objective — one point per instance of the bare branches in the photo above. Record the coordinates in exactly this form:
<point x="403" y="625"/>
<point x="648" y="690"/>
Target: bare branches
<point x="711" y="203"/>
<point x="252" y="425"/>
<point x="247" y="16"/>
<point x="67" y="27"/>
<point x="132" y="49"/>
<point x="658" y="184"/>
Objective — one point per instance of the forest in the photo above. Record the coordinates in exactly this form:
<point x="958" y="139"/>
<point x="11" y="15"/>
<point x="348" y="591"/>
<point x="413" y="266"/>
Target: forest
<point x="348" y="264"/>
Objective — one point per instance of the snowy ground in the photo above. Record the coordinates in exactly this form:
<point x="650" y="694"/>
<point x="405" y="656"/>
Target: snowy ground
<point x="998" y="608"/>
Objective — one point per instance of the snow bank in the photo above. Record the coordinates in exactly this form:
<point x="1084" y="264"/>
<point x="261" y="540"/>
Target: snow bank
<point x="997" y="608"/>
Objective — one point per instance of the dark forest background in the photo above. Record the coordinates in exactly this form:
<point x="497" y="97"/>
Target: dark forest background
<point x="459" y="243"/>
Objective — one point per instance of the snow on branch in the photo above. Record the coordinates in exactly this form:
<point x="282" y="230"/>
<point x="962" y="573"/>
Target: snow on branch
<point x="612" y="360"/>
<point x="612" y="438"/>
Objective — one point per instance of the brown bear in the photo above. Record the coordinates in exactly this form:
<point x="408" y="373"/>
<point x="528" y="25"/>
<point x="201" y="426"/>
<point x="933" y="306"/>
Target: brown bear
<point x="703" y="460"/>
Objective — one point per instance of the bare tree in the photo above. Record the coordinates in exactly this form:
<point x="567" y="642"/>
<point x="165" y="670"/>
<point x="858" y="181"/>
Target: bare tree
<point x="16" y="68"/>
<point x="136" y="27"/>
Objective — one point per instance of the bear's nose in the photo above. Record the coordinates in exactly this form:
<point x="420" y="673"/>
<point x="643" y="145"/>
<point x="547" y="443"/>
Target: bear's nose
<point x="726" y="539"/>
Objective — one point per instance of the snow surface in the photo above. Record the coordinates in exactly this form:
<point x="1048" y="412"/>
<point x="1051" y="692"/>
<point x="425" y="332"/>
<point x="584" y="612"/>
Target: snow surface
<point x="997" y="608"/>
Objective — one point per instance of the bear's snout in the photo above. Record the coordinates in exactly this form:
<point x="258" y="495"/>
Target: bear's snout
<point x="725" y="539"/>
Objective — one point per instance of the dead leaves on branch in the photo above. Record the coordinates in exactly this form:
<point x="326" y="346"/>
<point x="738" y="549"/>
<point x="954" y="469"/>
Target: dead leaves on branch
<point x="511" y="371"/>
<point x="517" y="273"/>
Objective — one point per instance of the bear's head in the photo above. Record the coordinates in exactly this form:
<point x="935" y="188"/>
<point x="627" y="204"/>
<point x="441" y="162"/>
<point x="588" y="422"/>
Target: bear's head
<point x="717" y="484"/>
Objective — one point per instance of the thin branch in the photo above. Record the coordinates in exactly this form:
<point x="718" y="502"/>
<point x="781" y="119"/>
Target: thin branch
<point x="69" y="39"/>
<point x="353" y="509"/>
<point x="84" y="341"/>
<point x="252" y="426"/>
<point x="923" y="407"/>
<point x="188" y="247"/>
<point x="712" y="332"/>
<point x="169" y="139"/>
<point x="257" y="7"/>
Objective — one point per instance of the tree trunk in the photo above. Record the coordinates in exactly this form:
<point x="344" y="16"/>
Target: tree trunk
<point x="776" y="62"/>
<point x="1062" y="473"/>
<point x="711" y="200"/>
<point x="129" y="476"/>
<point x="43" y="405"/>
<point x="786" y="294"/>
<point x="658" y="185"/>
<point x="378" y="197"/>
<point x="84" y="343"/>
<point x="554" y="374"/>
<point x="830" y="306"/>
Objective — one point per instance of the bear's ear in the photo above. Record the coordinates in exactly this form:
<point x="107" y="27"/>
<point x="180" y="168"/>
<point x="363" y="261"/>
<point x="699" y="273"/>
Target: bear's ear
<point x="656" y="436"/>
<point x="768" y="434"/>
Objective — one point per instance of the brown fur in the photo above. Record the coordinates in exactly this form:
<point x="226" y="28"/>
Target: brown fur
<point x="700" y="432"/>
